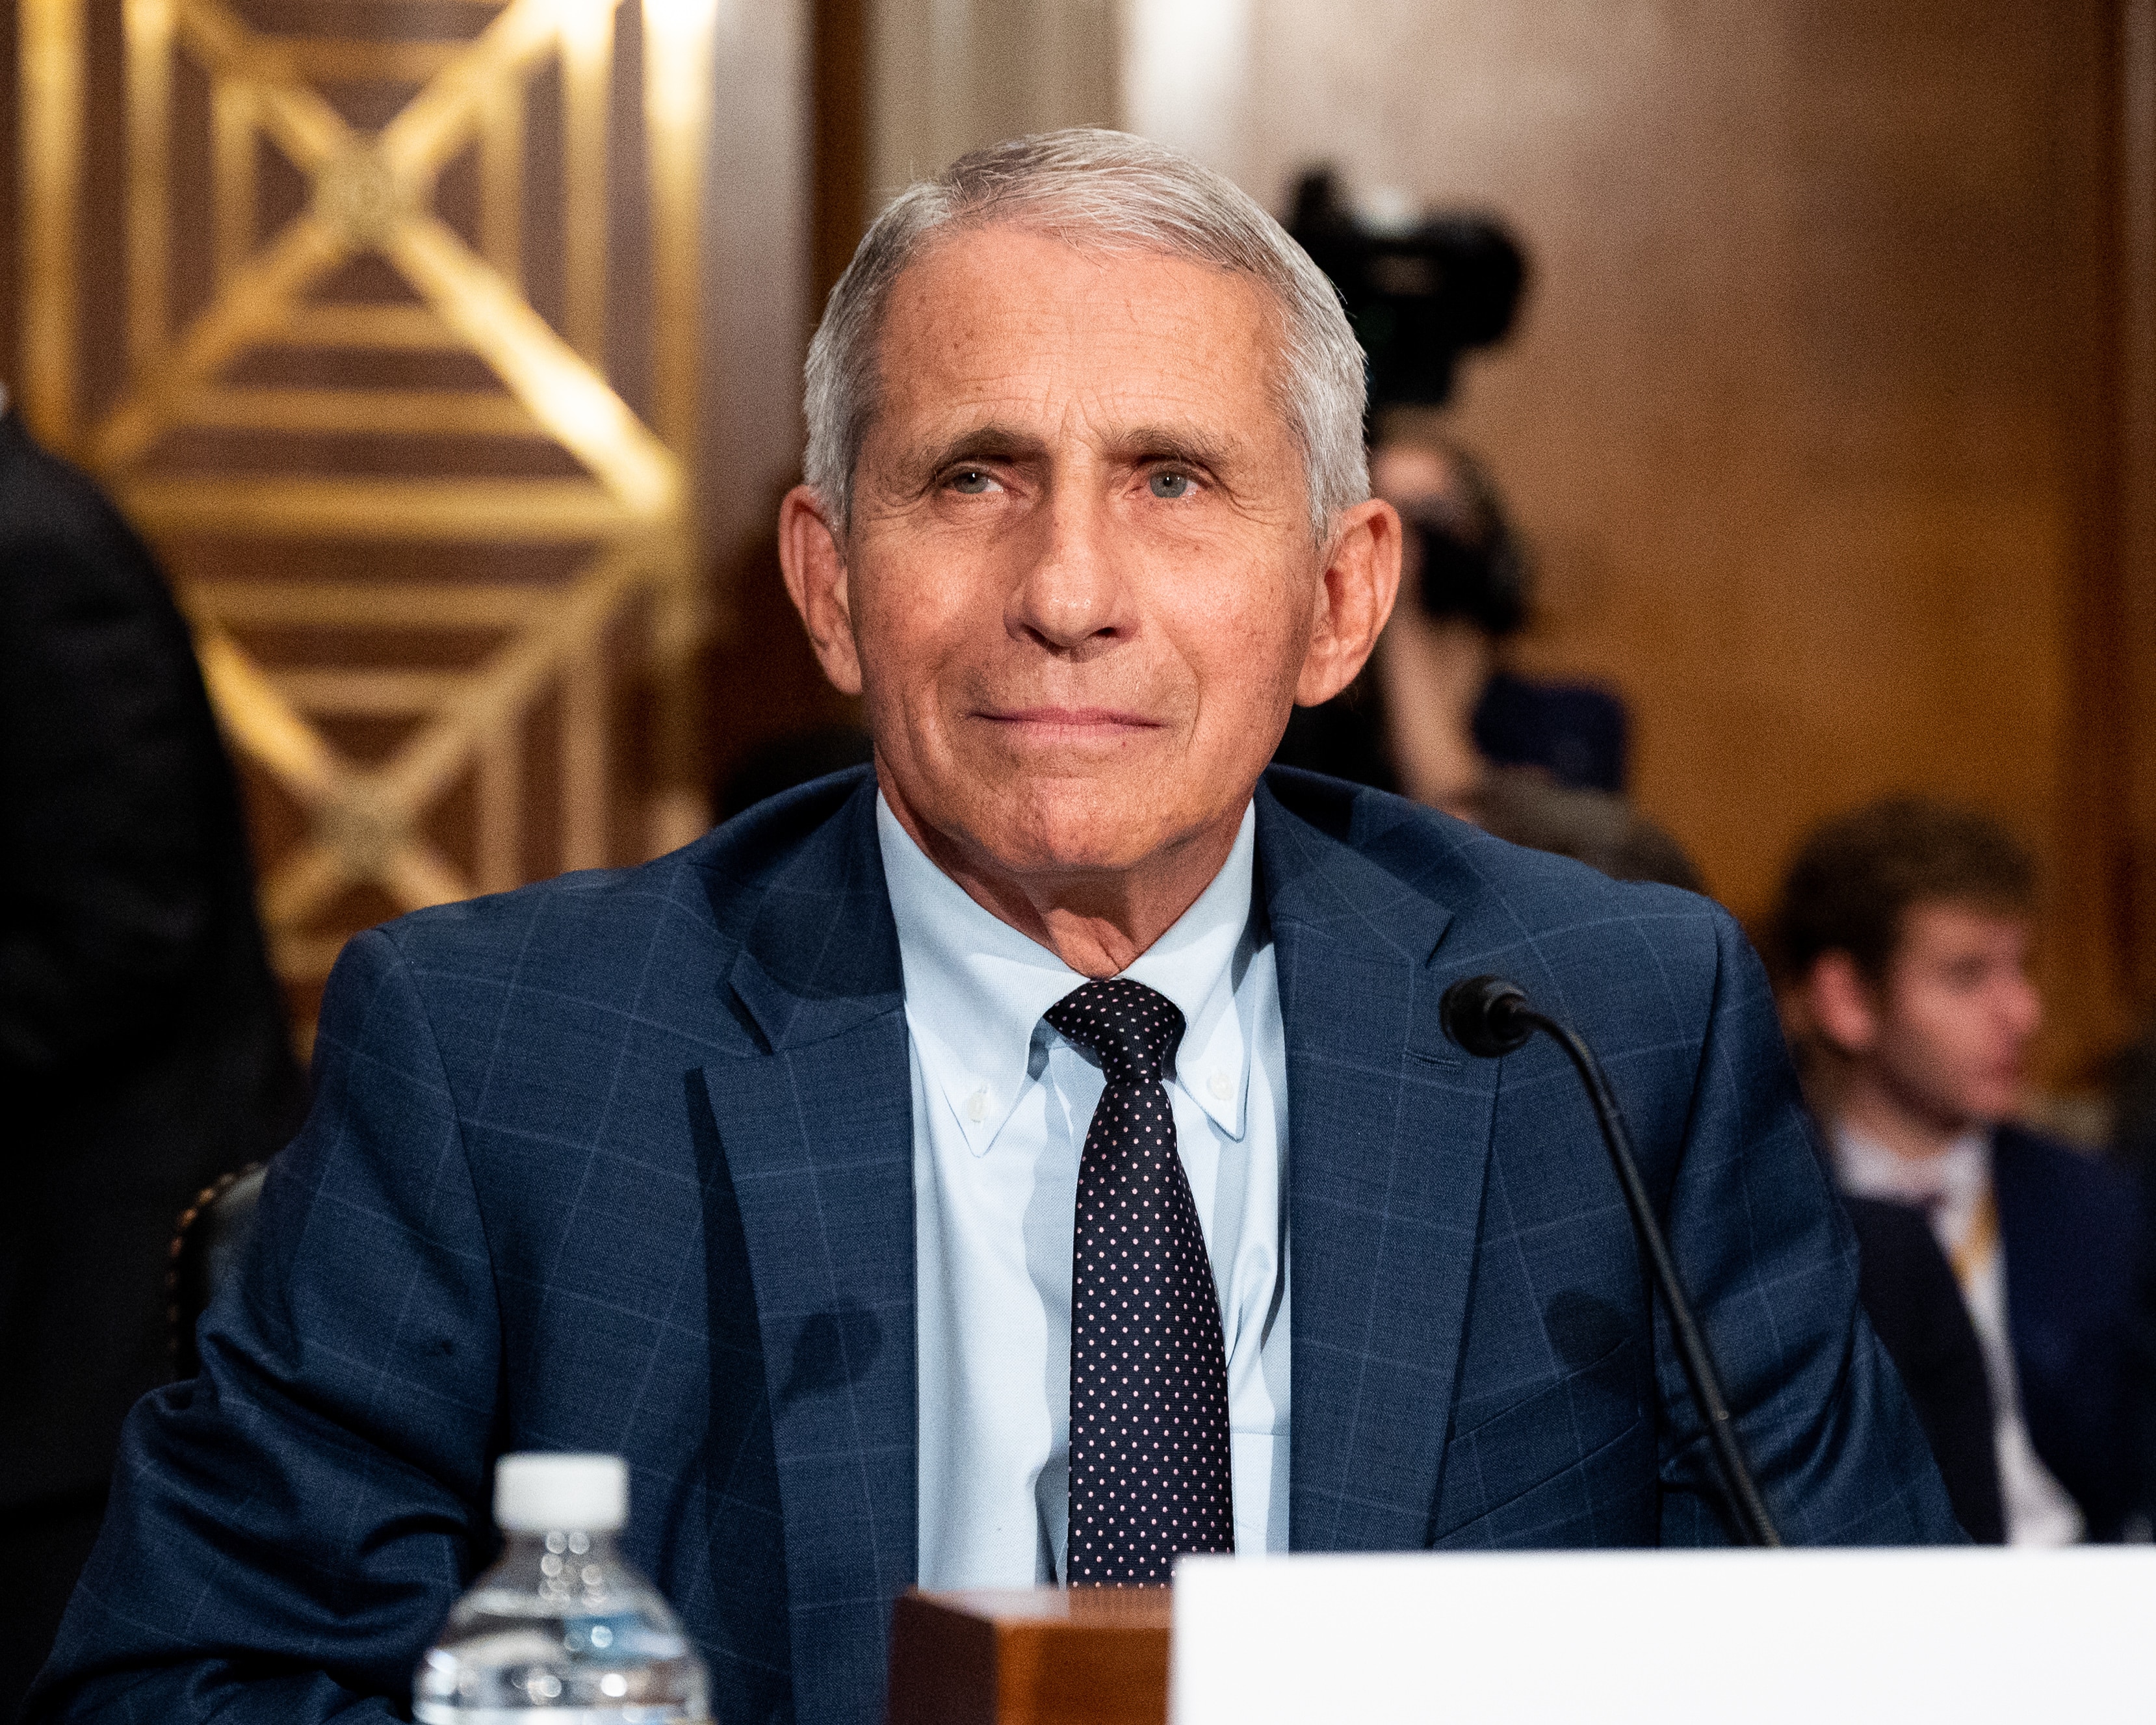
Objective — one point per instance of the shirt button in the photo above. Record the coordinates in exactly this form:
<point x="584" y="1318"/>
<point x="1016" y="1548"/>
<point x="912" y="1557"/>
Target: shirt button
<point x="1219" y="1084"/>
<point x="977" y="1106"/>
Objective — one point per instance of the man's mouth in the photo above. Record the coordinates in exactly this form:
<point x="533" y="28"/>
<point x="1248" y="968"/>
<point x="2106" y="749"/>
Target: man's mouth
<point x="1068" y="724"/>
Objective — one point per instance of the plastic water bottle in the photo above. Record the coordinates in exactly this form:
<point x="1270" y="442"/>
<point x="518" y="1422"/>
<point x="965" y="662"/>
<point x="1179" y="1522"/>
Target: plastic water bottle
<point x="561" y="1624"/>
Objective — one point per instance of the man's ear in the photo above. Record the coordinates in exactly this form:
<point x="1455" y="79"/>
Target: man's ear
<point x="815" y="571"/>
<point x="1841" y="1005"/>
<point x="1355" y="594"/>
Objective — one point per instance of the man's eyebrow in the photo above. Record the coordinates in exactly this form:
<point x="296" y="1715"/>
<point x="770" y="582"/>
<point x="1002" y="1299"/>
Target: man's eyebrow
<point x="1181" y="443"/>
<point x="1184" y="444"/>
<point x="979" y="442"/>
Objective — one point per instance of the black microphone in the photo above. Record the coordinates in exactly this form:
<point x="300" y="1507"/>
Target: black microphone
<point x="1489" y="1016"/>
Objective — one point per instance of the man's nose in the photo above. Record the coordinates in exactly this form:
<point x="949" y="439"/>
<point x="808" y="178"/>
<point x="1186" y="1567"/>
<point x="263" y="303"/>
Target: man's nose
<point x="2022" y="1006"/>
<point x="1069" y="595"/>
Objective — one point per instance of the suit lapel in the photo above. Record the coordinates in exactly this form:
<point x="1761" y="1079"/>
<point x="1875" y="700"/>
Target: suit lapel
<point x="2033" y="1264"/>
<point x="1389" y="1132"/>
<point x="816" y="1127"/>
<point x="1388" y="1137"/>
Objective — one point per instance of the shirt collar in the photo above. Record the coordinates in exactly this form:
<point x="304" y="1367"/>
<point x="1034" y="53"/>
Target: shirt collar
<point x="976" y="987"/>
<point x="1871" y="1170"/>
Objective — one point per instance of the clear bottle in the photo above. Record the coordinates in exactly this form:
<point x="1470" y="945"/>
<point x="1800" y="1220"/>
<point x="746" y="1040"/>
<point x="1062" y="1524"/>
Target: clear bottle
<point x="560" y="1623"/>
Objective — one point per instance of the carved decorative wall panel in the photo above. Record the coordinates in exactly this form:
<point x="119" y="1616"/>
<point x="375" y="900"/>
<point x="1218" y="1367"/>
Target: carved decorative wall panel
<point x="387" y="340"/>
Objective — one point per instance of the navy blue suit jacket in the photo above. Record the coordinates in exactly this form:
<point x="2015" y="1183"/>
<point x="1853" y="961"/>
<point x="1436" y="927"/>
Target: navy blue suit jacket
<point x="624" y="1163"/>
<point x="2073" y="1231"/>
<point x="1915" y="1305"/>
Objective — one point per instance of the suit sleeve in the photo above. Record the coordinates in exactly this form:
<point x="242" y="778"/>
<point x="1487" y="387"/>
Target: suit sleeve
<point x="112" y="790"/>
<point x="1770" y="1263"/>
<point x="287" y="1531"/>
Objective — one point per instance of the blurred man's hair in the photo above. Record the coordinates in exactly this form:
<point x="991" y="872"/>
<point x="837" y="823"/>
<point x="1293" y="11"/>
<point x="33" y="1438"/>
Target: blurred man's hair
<point x="1854" y="879"/>
<point x="1106" y="192"/>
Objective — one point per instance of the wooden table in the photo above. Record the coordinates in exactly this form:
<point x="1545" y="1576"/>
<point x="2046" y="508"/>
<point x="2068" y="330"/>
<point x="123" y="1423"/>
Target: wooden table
<point x="1031" y="1656"/>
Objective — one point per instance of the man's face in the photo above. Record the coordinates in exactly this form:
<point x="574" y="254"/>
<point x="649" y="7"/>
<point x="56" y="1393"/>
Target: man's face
<point x="1950" y="1023"/>
<point x="1080" y="591"/>
<point x="1405" y="474"/>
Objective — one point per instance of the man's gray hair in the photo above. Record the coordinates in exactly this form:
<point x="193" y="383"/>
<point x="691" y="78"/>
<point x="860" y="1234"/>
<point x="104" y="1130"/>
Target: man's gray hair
<point x="1101" y="191"/>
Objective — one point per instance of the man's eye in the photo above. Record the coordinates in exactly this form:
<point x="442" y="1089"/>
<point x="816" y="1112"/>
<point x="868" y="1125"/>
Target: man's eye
<point x="1170" y="485"/>
<point x="970" y="482"/>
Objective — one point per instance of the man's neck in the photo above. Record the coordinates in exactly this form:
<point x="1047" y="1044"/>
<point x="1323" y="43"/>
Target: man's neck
<point x="1872" y="1109"/>
<point x="1096" y="921"/>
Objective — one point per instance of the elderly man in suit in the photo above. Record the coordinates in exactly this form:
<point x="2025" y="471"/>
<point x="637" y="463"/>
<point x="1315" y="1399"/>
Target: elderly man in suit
<point x="1038" y="1155"/>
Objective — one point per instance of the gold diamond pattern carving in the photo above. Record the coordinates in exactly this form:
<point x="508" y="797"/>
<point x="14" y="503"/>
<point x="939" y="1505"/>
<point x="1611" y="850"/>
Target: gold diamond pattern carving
<point x="372" y="193"/>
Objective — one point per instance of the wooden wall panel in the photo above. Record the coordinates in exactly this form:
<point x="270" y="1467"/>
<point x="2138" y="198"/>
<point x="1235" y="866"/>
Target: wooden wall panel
<point x="1824" y="416"/>
<point x="1808" y="416"/>
<point x="2128" y="638"/>
<point x="946" y="76"/>
<point x="400" y="343"/>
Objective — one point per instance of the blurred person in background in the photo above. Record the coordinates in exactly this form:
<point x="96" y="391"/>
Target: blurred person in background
<point x="1439" y="714"/>
<point x="1435" y="718"/>
<point x="2134" y="1107"/>
<point x="2132" y="1100"/>
<point x="143" y="1048"/>
<point x="1903" y="932"/>
<point x="1909" y="1291"/>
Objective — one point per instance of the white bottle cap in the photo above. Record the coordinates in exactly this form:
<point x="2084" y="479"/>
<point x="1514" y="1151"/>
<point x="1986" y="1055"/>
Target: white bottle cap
<point x="536" y="1493"/>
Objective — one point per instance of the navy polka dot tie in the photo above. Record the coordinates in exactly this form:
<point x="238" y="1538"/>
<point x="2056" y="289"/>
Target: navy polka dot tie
<point x="1149" y="1476"/>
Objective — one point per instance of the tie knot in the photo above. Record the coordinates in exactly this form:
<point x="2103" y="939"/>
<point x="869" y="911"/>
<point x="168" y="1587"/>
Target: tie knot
<point x="1132" y="1030"/>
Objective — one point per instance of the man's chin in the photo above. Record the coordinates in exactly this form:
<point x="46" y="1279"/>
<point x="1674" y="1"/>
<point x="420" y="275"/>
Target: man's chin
<point x="1057" y="825"/>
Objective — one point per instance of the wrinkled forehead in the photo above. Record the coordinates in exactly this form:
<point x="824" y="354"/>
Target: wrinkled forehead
<point x="1012" y="318"/>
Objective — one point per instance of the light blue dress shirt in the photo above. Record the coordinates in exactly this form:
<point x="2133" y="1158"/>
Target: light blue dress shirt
<point x="1001" y="1102"/>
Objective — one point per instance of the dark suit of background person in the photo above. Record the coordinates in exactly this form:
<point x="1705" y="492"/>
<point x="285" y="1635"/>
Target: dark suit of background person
<point x="2073" y="1248"/>
<point x="2133" y="1147"/>
<point x="1903" y="932"/>
<point x="1910" y="1294"/>
<point x="1541" y="766"/>
<point x="624" y="1163"/>
<point x="142" y="1048"/>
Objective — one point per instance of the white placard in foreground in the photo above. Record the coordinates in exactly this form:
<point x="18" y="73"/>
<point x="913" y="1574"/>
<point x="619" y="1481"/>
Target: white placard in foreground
<point x="1676" y="1638"/>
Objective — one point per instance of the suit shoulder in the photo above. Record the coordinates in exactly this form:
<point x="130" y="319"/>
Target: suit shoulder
<point x="1474" y="874"/>
<point x="47" y="504"/>
<point x="1642" y="965"/>
<point x="699" y="900"/>
<point x="2096" y="1196"/>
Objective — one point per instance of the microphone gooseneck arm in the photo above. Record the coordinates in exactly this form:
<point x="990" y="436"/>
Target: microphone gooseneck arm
<point x="1488" y="1016"/>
